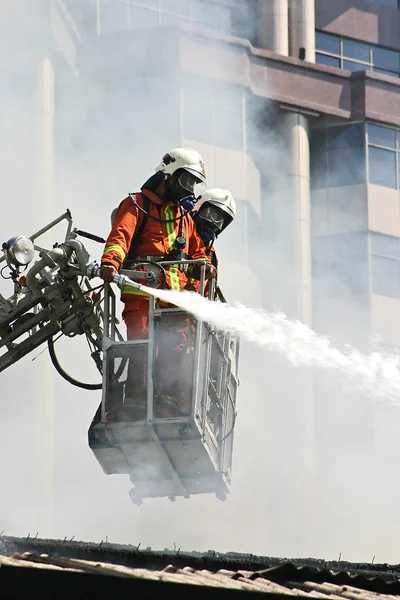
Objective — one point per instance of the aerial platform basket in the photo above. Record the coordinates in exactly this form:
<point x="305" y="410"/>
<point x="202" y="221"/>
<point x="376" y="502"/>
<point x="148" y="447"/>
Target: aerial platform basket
<point x="164" y="455"/>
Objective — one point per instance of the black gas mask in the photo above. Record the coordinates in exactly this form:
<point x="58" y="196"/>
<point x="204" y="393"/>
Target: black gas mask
<point x="180" y="189"/>
<point x="210" y="221"/>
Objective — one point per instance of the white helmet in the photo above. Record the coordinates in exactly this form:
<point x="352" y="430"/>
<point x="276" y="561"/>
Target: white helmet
<point x="183" y="158"/>
<point x="217" y="207"/>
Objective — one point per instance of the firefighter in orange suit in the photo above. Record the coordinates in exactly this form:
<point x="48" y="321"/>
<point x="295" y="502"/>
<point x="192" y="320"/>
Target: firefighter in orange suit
<point x="214" y="210"/>
<point x="156" y="223"/>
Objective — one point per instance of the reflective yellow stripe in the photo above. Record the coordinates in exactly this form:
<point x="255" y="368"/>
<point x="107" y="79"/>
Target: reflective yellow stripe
<point x="172" y="270"/>
<point x="129" y="291"/>
<point x="117" y="249"/>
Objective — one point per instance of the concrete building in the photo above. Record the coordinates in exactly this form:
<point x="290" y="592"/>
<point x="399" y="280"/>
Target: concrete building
<point x="295" y="106"/>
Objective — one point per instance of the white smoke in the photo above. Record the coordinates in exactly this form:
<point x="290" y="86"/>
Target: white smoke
<point x="376" y="374"/>
<point x="110" y="133"/>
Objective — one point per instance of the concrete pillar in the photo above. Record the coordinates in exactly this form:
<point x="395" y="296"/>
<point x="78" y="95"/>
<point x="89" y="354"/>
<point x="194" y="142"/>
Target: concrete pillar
<point x="48" y="210"/>
<point x="273" y="25"/>
<point x="302" y="29"/>
<point x="292" y="255"/>
<point x="294" y="214"/>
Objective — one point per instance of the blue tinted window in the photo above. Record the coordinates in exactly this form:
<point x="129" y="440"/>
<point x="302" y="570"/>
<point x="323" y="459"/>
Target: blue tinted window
<point x="329" y="61"/>
<point x="384" y="72"/>
<point x="327" y="43"/>
<point x="384" y="245"/>
<point x="346" y="166"/>
<point x="318" y="139"/>
<point x="347" y="135"/>
<point x="319" y="169"/>
<point x="355" y="55"/>
<point x="385" y="59"/>
<point x="142" y="17"/>
<point x="385" y="276"/>
<point x="350" y="65"/>
<point x="382" y="167"/>
<point x="113" y="16"/>
<point x="357" y="50"/>
<point x="392" y="3"/>
<point x="381" y="136"/>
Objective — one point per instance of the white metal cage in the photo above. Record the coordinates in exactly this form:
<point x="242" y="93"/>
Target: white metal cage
<point x="169" y="455"/>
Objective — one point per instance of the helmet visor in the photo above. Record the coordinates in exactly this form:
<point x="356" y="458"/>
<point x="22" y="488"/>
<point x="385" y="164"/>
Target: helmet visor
<point x="214" y="215"/>
<point x="188" y="181"/>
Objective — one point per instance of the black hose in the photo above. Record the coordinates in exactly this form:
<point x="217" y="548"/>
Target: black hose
<point x="60" y="370"/>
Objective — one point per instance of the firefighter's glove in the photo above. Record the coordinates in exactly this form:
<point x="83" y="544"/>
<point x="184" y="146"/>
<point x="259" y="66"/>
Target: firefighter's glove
<point x="107" y="272"/>
<point x="211" y="271"/>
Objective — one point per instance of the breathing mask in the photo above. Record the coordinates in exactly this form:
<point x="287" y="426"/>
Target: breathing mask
<point x="210" y="221"/>
<point x="181" y="190"/>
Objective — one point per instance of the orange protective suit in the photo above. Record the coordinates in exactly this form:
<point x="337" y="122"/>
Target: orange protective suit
<point x="174" y="335"/>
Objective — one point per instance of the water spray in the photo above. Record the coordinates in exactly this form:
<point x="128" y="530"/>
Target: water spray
<point x="375" y="374"/>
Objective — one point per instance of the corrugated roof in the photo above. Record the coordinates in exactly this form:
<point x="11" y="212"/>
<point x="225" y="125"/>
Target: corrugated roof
<point x="230" y="572"/>
<point x="219" y="572"/>
<point x="265" y="581"/>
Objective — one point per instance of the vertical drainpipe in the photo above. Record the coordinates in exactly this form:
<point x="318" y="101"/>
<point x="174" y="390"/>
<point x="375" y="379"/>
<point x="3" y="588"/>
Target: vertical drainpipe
<point x="47" y="209"/>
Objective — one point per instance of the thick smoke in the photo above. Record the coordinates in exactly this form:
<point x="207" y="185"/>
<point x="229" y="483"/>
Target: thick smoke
<point x="113" y="123"/>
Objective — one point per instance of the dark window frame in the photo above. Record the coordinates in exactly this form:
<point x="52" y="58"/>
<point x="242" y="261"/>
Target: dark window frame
<point x="380" y="255"/>
<point x="327" y="145"/>
<point x="343" y="57"/>
<point x="384" y="148"/>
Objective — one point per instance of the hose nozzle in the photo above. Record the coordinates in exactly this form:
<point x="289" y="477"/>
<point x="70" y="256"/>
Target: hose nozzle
<point x="119" y="280"/>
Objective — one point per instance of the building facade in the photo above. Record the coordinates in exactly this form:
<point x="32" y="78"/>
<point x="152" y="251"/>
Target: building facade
<point x="295" y="107"/>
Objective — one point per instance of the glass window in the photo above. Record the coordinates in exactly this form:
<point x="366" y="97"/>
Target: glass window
<point x="385" y="276"/>
<point x="355" y="55"/>
<point x="113" y="16"/>
<point x="347" y="135"/>
<point x="381" y="136"/>
<point x="346" y="166"/>
<point x="386" y="59"/>
<point x="329" y="61"/>
<point x="178" y="7"/>
<point x="142" y="17"/>
<point x="384" y="245"/>
<point x="318" y="139"/>
<point x="393" y="3"/>
<point x="319" y="169"/>
<point x="382" y="167"/>
<point x="327" y="43"/>
<point x="355" y="66"/>
<point x="357" y="50"/>
<point x="384" y="72"/>
<point x="228" y="129"/>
